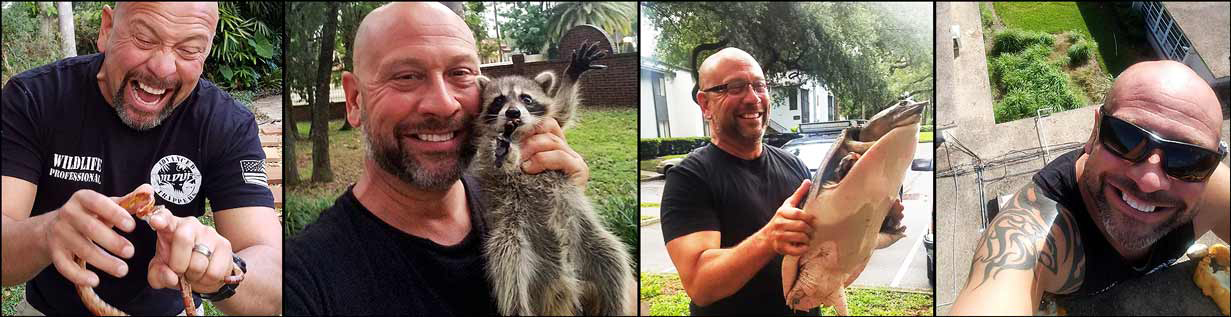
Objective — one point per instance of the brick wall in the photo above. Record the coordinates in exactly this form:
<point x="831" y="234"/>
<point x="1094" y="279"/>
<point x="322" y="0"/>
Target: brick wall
<point x="617" y="85"/>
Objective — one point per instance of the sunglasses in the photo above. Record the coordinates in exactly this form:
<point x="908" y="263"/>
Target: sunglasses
<point x="1184" y="161"/>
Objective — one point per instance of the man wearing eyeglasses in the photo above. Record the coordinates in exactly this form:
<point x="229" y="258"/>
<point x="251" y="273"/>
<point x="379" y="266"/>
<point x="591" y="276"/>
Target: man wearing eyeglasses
<point x="1146" y="184"/>
<point x="730" y="209"/>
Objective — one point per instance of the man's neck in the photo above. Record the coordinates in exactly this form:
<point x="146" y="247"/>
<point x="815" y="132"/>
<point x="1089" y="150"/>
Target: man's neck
<point x="442" y="217"/>
<point x="744" y="150"/>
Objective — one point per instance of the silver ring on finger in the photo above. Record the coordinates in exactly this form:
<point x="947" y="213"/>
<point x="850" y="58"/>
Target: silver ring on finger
<point x="203" y="250"/>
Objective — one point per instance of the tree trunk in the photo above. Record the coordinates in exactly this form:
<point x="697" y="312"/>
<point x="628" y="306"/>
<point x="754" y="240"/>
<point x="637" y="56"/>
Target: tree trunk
<point x="290" y="162"/>
<point x="47" y="22"/>
<point x="321" y="171"/>
<point x="67" y="35"/>
<point x="350" y="22"/>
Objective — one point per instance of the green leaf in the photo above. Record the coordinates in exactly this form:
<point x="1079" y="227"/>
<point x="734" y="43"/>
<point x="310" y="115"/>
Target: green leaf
<point x="227" y="73"/>
<point x="262" y="47"/>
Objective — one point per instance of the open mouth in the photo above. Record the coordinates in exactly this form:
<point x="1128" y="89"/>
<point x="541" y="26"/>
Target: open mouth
<point x="1137" y="207"/>
<point x="440" y="137"/>
<point x="752" y="115"/>
<point x="147" y="97"/>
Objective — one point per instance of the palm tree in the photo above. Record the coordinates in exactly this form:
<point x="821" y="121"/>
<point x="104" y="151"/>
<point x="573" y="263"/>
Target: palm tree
<point x="613" y="17"/>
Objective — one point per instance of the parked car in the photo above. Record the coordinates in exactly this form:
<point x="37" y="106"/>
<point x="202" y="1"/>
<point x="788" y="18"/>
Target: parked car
<point x="666" y="165"/>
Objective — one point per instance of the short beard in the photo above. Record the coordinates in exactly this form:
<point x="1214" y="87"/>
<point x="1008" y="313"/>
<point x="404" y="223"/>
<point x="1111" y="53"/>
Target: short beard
<point x="394" y="159"/>
<point x="117" y="102"/>
<point x="1119" y="227"/>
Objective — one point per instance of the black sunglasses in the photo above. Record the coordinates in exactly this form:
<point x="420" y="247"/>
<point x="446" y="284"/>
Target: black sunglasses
<point x="1184" y="161"/>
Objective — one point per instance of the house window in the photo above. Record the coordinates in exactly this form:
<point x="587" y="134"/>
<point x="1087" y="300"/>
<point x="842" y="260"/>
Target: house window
<point x="832" y="114"/>
<point x="794" y="100"/>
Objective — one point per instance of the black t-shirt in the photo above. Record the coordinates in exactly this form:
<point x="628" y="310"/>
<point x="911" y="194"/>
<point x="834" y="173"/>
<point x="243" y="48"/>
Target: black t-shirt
<point x="60" y="134"/>
<point x="1058" y="181"/>
<point x="349" y="262"/>
<point x="712" y="190"/>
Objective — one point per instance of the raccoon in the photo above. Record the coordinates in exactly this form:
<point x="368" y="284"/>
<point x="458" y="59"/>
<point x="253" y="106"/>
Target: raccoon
<point x="546" y="250"/>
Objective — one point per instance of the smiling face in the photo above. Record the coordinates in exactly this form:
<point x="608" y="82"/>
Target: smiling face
<point x="155" y="53"/>
<point x="414" y="93"/>
<point x="738" y="119"/>
<point x="1138" y="203"/>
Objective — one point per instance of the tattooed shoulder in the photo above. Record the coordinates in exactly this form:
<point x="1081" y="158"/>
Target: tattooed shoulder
<point x="1031" y="233"/>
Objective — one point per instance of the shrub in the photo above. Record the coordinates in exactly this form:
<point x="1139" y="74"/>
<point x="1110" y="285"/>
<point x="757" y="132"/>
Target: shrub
<point x="1079" y="53"/>
<point x="1029" y="82"/>
<point x="1017" y="40"/>
<point x="651" y="148"/>
<point x="619" y="214"/>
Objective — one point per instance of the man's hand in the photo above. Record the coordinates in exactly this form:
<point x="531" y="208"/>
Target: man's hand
<point x="85" y="220"/>
<point x="791" y="228"/>
<point x="547" y="149"/>
<point x="177" y="236"/>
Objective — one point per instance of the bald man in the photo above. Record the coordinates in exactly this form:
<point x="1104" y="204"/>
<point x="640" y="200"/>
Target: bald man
<point x="730" y="209"/>
<point x="84" y="130"/>
<point x="1129" y="203"/>
<point x="406" y="238"/>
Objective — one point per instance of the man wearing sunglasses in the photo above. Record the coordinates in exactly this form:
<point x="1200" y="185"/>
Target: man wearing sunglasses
<point x="1129" y="203"/>
<point x="730" y="210"/>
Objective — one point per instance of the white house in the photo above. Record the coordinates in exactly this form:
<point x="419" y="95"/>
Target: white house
<point x="809" y="102"/>
<point x="667" y="107"/>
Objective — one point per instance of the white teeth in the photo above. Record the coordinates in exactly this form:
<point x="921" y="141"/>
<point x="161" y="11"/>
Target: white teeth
<point x="1136" y="204"/>
<point x="435" y="137"/>
<point x="753" y="115"/>
<point x="150" y="90"/>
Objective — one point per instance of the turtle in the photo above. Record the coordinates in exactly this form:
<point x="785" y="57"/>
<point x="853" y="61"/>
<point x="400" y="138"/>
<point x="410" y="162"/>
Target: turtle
<point x="852" y="192"/>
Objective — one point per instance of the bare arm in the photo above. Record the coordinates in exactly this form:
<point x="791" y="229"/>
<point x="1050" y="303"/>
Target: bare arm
<point x="710" y="273"/>
<point x="1030" y="247"/>
<point x="257" y="235"/>
<point x="1216" y="202"/>
<point x="25" y="252"/>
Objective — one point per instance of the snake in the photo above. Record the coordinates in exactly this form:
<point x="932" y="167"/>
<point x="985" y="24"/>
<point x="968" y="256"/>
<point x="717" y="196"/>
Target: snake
<point x="141" y="205"/>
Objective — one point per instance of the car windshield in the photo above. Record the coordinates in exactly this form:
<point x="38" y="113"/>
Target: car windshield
<point x="811" y="153"/>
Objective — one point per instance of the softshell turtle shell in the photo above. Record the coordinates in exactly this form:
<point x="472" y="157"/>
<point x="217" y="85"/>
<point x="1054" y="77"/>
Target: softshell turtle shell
<point x="851" y="194"/>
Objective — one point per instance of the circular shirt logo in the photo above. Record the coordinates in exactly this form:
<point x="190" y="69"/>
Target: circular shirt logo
<point x="176" y="179"/>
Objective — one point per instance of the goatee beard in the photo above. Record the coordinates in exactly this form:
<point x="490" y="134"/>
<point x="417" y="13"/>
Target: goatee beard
<point x="393" y="158"/>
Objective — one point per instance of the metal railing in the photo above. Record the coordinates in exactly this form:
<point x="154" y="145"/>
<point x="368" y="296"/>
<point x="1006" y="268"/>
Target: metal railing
<point x="1163" y="29"/>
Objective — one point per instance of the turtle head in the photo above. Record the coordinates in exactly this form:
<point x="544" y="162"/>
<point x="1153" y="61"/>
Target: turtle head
<point x="901" y="113"/>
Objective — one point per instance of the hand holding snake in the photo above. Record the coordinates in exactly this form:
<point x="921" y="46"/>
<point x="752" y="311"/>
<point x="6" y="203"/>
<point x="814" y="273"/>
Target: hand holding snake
<point x="188" y="253"/>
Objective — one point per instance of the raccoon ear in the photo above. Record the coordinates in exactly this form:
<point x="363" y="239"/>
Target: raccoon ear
<point x="546" y="81"/>
<point x="483" y="80"/>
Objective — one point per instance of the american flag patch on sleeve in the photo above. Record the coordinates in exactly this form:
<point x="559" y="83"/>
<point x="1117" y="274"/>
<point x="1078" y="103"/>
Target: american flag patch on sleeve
<point x="254" y="172"/>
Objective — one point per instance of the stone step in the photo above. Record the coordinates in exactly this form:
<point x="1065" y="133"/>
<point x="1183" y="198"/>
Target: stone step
<point x="271" y="140"/>
<point x="273" y="154"/>
<point x="271" y="130"/>
<point x="274" y="173"/>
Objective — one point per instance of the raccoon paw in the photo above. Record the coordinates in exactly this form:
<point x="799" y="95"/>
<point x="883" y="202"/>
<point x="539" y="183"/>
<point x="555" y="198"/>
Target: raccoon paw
<point x="583" y="59"/>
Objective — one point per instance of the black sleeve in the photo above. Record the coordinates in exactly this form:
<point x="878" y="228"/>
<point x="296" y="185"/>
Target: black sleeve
<point x="21" y="133"/>
<point x="687" y="204"/>
<point x="296" y="281"/>
<point x="238" y="176"/>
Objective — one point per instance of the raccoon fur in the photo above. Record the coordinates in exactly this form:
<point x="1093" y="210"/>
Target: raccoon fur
<point x="546" y="250"/>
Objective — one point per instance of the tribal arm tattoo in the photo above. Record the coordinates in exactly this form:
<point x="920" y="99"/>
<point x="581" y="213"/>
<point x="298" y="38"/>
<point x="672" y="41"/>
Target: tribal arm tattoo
<point x="1013" y="239"/>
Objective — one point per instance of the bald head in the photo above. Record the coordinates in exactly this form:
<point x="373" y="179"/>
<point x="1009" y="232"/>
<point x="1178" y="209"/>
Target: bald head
<point x="203" y="10"/>
<point x="714" y="67"/>
<point x="1173" y="94"/>
<point x="407" y="21"/>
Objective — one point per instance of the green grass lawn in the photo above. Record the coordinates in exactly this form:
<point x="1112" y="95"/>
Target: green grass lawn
<point x="666" y="297"/>
<point x="1092" y="20"/>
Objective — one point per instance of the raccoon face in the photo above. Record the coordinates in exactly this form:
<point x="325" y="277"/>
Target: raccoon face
<point x="512" y="107"/>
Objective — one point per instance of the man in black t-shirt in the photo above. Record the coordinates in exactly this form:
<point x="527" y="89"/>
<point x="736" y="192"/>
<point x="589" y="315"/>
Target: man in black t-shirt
<point x="84" y="130"/>
<point x="1146" y="184"/>
<point x="406" y="238"/>
<point x="730" y="209"/>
